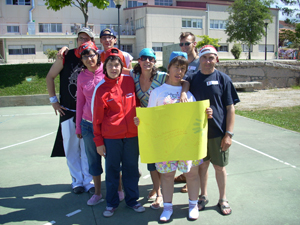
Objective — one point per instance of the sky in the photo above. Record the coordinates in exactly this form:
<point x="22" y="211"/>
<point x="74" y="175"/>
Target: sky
<point x="279" y="3"/>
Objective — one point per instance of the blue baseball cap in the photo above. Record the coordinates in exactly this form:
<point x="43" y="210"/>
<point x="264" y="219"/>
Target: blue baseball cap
<point x="147" y="52"/>
<point x="175" y="54"/>
<point x="109" y="33"/>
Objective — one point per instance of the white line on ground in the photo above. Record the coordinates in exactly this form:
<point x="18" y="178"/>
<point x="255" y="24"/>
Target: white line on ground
<point x="29" y="114"/>
<point x="27" y="141"/>
<point x="269" y="156"/>
<point x="73" y="213"/>
<point x="50" y="223"/>
<point x="147" y="176"/>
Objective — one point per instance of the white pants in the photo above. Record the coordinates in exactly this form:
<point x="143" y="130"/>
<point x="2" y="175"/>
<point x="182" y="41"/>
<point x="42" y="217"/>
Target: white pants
<point x="76" y="156"/>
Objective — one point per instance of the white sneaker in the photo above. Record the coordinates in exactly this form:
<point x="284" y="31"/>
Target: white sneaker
<point x="193" y="210"/>
<point x="167" y="213"/>
<point x="109" y="211"/>
<point x="138" y="208"/>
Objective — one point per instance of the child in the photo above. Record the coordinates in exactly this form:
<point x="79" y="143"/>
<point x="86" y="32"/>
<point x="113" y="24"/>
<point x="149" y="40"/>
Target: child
<point x="169" y="93"/>
<point x="115" y="133"/>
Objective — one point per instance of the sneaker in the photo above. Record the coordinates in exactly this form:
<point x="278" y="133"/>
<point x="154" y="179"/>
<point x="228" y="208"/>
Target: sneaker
<point x="95" y="199"/>
<point x="138" y="208"/>
<point x="109" y="211"/>
<point x="92" y="190"/>
<point x="193" y="211"/>
<point x="78" y="190"/>
<point x="167" y="213"/>
<point x="121" y="195"/>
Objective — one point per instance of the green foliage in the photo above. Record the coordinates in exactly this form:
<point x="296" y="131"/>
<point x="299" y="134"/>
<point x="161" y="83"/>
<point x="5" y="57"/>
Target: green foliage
<point x="291" y="8"/>
<point x="80" y="4"/>
<point x="246" y="21"/>
<point x="236" y="50"/>
<point x="287" y="117"/>
<point x="25" y="79"/>
<point x="51" y="54"/>
<point x="289" y="35"/>
<point x="206" y="40"/>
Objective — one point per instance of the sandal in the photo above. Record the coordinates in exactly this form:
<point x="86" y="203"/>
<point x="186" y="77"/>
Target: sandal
<point x="155" y="204"/>
<point x="151" y="197"/>
<point x="202" y="202"/>
<point x="224" y="207"/>
<point x="184" y="189"/>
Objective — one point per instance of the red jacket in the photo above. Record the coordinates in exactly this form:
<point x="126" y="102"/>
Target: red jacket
<point x="113" y="109"/>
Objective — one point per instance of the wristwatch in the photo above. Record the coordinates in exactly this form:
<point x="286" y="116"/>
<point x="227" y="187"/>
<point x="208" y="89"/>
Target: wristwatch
<point x="230" y="133"/>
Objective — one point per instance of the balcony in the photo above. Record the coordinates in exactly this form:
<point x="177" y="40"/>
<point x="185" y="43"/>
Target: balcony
<point x="54" y="29"/>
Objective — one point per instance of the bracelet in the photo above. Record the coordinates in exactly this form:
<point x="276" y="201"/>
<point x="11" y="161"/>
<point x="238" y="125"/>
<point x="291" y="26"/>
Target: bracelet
<point x="53" y="99"/>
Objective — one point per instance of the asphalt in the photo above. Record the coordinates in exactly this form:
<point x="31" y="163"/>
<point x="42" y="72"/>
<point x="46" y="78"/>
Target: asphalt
<point x="263" y="185"/>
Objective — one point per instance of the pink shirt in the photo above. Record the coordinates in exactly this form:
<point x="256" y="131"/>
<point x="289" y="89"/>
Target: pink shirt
<point x="86" y="83"/>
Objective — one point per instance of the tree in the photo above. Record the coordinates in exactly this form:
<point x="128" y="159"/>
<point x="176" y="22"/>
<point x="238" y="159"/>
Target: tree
<point x="51" y="54"/>
<point x="80" y="4"/>
<point x="246" y="21"/>
<point x="291" y="36"/>
<point x="236" y="50"/>
<point x="291" y="8"/>
<point x="206" y="40"/>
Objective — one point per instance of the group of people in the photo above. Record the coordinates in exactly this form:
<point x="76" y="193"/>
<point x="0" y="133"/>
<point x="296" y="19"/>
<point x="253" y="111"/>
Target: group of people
<point x="99" y="91"/>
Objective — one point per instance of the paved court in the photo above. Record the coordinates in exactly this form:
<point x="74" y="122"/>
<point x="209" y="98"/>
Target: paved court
<point x="263" y="178"/>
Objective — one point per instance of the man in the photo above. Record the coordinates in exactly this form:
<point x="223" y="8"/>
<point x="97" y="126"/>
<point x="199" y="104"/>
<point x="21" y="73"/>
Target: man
<point x="188" y="45"/>
<point x="209" y="83"/>
<point x="66" y="143"/>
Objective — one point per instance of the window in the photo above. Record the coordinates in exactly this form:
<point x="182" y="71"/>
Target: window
<point x="111" y="4"/>
<point x="270" y="48"/>
<point x="53" y="47"/>
<point x="139" y="23"/>
<point x="134" y="4"/>
<point x="126" y="48"/>
<point x="192" y="23"/>
<point x="12" y="29"/>
<point x="222" y="48"/>
<point x="17" y="2"/>
<point x="158" y="46"/>
<point x="246" y="49"/>
<point x="164" y="2"/>
<point x="50" y="27"/>
<point x="21" y="49"/>
<point x="218" y="24"/>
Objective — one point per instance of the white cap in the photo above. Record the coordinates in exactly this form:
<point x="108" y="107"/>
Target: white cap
<point x="86" y="30"/>
<point x="207" y="49"/>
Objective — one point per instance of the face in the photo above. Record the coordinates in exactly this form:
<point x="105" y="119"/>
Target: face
<point x="188" y="48"/>
<point x="146" y="63"/>
<point x="82" y="38"/>
<point x="176" y="73"/>
<point x="90" y="60"/>
<point x="108" y="41"/>
<point x="208" y="62"/>
<point x="113" y="68"/>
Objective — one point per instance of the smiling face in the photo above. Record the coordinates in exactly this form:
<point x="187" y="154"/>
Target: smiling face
<point x="208" y="62"/>
<point x="146" y="63"/>
<point x="108" y="41"/>
<point x="90" y="60"/>
<point x="82" y="38"/>
<point x="113" y="68"/>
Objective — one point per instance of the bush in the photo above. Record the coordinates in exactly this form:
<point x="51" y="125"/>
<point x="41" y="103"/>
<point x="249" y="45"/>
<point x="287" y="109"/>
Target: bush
<point x="51" y="54"/>
<point x="236" y="51"/>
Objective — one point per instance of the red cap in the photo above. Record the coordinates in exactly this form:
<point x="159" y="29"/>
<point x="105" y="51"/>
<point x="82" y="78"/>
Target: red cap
<point x="86" y="45"/>
<point x="114" y="52"/>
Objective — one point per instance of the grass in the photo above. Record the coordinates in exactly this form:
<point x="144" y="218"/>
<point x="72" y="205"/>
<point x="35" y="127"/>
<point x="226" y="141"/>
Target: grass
<point x="25" y="79"/>
<point x="287" y="117"/>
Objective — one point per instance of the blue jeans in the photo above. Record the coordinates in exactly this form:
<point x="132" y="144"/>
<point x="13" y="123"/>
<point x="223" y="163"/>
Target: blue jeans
<point x="94" y="159"/>
<point x="125" y="151"/>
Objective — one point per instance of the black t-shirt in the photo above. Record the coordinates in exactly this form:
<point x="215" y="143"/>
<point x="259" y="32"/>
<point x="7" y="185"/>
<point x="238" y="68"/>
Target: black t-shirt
<point x="218" y="88"/>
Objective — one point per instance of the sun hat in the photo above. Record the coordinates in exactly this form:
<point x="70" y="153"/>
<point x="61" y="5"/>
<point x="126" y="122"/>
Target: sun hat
<point x="86" y="30"/>
<point x="175" y="54"/>
<point x="110" y="33"/>
<point x="207" y="49"/>
<point x="147" y="52"/>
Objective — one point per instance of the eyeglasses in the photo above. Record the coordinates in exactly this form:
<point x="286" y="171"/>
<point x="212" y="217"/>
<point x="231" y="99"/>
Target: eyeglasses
<point x="186" y="44"/>
<point x="108" y="38"/>
<point x="86" y="57"/>
<point x="144" y="58"/>
<point x="83" y="39"/>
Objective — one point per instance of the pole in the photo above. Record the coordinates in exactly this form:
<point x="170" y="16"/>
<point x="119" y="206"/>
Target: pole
<point x="119" y="44"/>
<point x="266" y="25"/>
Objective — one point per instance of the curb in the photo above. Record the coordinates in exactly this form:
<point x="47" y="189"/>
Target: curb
<point x="24" y="100"/>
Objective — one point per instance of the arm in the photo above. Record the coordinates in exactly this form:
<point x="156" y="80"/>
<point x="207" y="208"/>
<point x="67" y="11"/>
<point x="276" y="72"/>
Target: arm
<point x="226" y="141"/>
<point x="60" y="53"/>
<point x="52" y="74"/>
<point x="185" y="88"/>
<point x="126" y="71"/>
<point x="98" y="115"/>
<point x="80" y="101"/>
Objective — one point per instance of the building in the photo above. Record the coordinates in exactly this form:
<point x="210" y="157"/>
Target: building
<point x="28" y="28"/>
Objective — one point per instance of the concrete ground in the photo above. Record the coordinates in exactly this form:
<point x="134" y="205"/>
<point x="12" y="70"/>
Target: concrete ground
<point x="263" y="185"/>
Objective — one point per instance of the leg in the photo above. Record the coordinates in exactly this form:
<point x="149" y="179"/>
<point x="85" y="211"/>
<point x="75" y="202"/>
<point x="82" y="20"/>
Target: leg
<point x="167" y="184"/>
<point x="203" y="174"/>
<point x="193" y="183"/>
<point x="155" y="175"/>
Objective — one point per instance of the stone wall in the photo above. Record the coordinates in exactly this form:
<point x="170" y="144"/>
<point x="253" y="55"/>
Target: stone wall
<point x="271" y="74"/>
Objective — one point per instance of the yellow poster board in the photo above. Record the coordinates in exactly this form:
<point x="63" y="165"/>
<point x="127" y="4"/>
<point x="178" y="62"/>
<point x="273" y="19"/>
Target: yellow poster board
<point x="173" y="132"/>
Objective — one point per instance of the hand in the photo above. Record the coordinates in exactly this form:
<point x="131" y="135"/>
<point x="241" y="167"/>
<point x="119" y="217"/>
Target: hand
<point x="79" y="136"/>
<point x="60" y="53"/>
<point x="101" y="150"/>
<point x="136" y="121"/>
<point x="209" y="113"/>
<point x="226" y="142"/>
<point x="183" y="97"/>
<point x="57" y="107"/>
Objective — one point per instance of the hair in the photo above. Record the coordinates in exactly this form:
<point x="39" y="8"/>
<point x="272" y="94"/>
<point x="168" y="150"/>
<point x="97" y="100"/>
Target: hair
<point x="87" y="51"/>
<point x="112" y="58"/>
<point x="181" y="60"/>
<point x="137" y="69"/>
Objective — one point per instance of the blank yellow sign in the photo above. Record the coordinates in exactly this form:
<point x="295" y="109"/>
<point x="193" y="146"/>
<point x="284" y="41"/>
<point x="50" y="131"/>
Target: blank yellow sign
<point x="173" y="132"/>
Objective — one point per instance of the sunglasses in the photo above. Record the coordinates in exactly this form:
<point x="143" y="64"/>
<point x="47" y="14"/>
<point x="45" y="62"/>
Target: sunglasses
<point x="144" y="58"/>
<point x="85" y="57"/>
<point x="186" y="44"/>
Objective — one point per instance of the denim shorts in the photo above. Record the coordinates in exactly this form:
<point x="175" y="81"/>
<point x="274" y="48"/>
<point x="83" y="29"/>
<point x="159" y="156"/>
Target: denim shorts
<point x="94" y="159"/>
